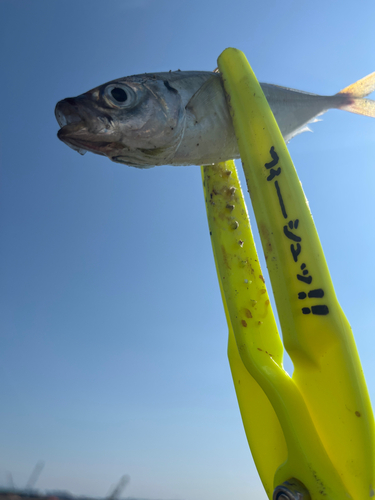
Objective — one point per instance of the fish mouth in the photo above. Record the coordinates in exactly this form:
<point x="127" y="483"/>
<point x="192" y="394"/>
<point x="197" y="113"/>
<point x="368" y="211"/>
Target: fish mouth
<point x="71" y="124"/>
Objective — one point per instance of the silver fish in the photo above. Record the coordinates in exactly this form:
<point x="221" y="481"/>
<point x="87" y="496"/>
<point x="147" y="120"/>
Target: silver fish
<point x="182" y="118"/>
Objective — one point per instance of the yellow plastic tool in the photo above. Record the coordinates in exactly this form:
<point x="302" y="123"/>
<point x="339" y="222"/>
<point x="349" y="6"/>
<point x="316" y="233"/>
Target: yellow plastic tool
<point x="316" y="426"/>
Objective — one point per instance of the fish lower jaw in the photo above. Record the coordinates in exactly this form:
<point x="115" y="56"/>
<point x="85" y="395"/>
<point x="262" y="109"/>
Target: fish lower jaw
<point x="67" y="135"/>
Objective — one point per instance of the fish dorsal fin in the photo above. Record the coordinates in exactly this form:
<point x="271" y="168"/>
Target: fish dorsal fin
<point x="209" y="96"/>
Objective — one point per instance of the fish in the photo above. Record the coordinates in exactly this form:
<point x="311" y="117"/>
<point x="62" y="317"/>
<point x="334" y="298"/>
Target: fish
<point x="182" y="117"/>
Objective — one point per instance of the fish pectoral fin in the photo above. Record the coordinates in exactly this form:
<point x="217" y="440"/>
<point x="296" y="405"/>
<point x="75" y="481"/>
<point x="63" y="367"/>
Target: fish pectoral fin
<point x="209" y="95"/>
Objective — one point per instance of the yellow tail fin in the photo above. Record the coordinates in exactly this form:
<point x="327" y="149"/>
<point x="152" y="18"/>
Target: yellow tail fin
<point x="362" y="87"/>
<point x="355" y="93"/>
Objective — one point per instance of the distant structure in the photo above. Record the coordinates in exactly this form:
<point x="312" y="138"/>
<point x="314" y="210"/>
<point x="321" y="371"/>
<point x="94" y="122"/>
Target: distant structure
<point x="29" y="493"/>
<point x="118" y="489"/>
<point x="34" y="476"/>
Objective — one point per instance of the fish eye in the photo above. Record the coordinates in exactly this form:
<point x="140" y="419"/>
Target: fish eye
<point x="120" y="96"/>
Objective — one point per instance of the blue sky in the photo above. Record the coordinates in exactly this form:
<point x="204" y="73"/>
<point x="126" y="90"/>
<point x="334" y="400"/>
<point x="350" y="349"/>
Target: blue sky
<point x="112" y="332"/>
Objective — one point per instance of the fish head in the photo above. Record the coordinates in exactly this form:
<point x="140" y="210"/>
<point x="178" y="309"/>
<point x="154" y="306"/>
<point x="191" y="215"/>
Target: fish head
<point x="137" y="120"/>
